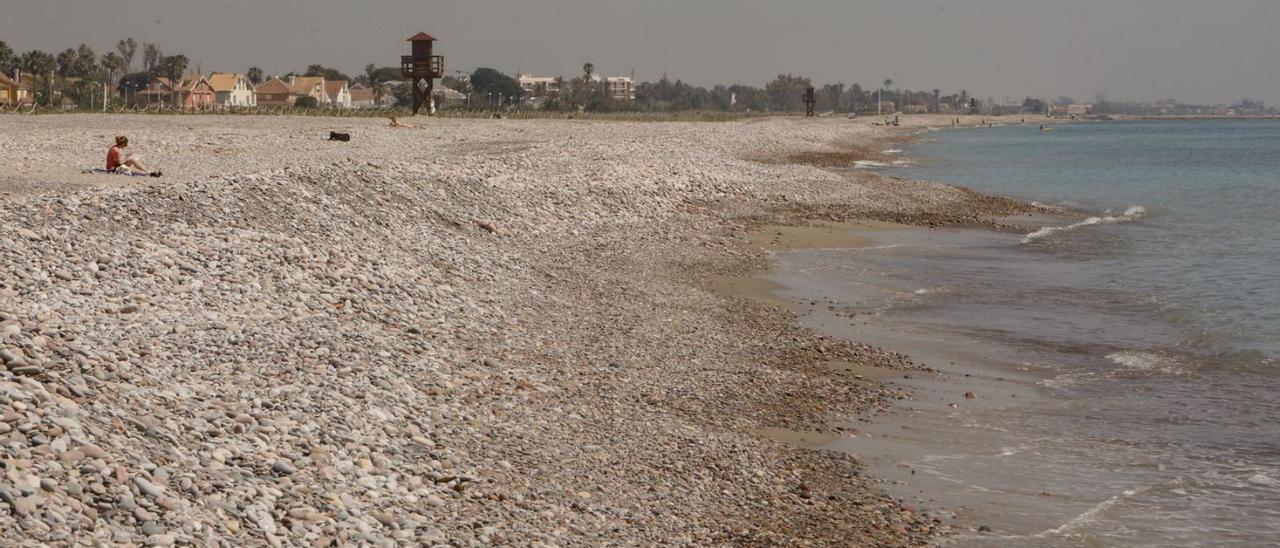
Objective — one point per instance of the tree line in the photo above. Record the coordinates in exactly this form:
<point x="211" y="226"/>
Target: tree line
<point x="79" y="74"/>
<point x="785" y="93"/>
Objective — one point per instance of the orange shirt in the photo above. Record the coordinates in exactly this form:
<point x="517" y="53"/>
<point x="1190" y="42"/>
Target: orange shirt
<point x="113" y="158"/>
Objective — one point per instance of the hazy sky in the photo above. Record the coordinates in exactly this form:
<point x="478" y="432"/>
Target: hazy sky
<point x="1194" y="50"/>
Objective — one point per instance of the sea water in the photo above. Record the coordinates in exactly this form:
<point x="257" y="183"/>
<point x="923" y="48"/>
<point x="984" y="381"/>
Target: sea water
<point x="1137" y="334"/>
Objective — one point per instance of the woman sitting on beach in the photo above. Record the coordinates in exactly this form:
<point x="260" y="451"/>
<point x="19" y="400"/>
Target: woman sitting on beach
<point x="118" y="162"/>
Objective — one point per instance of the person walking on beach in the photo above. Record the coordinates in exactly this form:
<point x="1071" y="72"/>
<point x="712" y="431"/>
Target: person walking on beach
<point x="125" y="164"/>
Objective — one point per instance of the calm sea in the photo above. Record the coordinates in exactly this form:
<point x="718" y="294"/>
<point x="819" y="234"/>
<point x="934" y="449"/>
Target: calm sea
<point x="1144" y="329"/>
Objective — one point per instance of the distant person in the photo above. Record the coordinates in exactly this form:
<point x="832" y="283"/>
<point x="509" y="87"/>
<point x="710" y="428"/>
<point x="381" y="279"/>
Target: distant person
<point x="126" y="164"/>
<point x="396" y="123"/>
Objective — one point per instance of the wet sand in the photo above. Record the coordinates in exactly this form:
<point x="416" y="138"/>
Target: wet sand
<point x="943" y="448"/>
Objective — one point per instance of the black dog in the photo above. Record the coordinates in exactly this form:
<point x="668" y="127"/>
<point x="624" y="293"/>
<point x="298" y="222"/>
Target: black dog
<point x="335" y="136"/>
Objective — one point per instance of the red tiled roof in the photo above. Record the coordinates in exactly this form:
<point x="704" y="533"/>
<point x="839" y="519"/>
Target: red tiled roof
<point x="361" y="94"/>
<point x="304" y="84"/>
<point x="333" y="87"/>
<point x="224" y="82"/>
<point x="274" y="85"/>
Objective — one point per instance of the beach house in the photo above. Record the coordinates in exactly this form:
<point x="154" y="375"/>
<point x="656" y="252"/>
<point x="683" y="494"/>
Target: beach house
<point x="196" y="93"/>
<point x="193" y="92"/>
<point x="159" y="91"/>
<point x="362" y="97"/>
<point x="338" y="93"/>
<point x="10" y="91"/>
<point x="232" y="90"/>
<point x="309" y="86"/>
<point x="274" y="92"/>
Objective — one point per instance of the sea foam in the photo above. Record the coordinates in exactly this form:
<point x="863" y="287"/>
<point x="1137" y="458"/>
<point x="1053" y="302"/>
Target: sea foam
<point x="1131" y="214"/>
<point x="1147" y="361"/>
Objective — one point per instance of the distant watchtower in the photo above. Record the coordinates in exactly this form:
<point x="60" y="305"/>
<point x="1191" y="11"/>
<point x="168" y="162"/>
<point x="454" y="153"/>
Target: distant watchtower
<point x="421" y="69"/>
<point x="810" y="102"/>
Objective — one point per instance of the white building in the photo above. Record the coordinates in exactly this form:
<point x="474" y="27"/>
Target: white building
<point x="539" y="86"/>
<point x="620" y="88"/>
<point x="232" y="90"/>
<point x="338" y="92"/>
<point x="1080" y="109"/>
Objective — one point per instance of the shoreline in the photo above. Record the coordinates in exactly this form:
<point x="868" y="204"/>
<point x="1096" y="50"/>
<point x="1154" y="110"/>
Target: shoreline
<point x="900" y="441"/>
<point x="475" y="343"/>
<point x="1046" y="424"/>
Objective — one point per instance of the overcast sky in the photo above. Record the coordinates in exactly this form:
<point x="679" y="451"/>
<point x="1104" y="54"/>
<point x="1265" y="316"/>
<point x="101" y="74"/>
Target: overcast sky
<point x="1193" y="50"/>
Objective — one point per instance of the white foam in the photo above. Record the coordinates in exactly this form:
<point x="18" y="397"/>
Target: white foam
<point x="1095" y="513"/>
<point x="1131" y="214"/>
<point x="1088" y="516"/>
<point x="867" y="164"/>
<point x="1146" y="361"/>
<point x="1263" y="479"/>
<point x="1047" y="206"/>
<point x="893" y="151"/>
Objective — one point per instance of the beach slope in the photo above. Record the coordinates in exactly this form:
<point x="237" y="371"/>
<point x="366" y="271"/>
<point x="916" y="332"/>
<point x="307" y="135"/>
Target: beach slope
<point x="480" y="332"/>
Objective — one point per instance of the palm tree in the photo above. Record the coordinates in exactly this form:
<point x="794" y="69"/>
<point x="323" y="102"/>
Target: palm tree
<point x="66" y="63"/>
<point x="589" y="89"/>
<point x="42" y="65"/>
<point x="174" y="66"/>
<point x="86" y="64"/>
<point x="112" y="64"/>
<point x="127" y="48"/>
<point x="880" y="96"/>
<point x="150" y="57"/>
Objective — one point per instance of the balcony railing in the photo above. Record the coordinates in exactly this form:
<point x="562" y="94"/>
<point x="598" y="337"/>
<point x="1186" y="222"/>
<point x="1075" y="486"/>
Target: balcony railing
<point x="420" y="67"/>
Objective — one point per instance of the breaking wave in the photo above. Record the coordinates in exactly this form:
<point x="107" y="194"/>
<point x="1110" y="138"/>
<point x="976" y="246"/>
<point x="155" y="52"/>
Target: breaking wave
<point x="1095" y="513"/>
<point x="1131" y="214"/>
<point x="1147" y="361"/>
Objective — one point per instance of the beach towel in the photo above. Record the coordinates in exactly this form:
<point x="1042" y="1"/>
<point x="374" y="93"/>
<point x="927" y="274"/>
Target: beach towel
<point x="105" y="172"/>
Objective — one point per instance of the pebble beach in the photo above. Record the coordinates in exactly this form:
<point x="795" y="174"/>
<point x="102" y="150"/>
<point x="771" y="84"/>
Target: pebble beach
<point x="472" y="333"/>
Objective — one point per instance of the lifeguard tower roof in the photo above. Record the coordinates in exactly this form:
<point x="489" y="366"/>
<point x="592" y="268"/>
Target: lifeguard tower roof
<point x="422" y="37"/>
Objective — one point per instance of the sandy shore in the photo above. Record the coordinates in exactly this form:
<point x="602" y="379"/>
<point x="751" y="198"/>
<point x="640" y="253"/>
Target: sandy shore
<point x="477" y="333"/>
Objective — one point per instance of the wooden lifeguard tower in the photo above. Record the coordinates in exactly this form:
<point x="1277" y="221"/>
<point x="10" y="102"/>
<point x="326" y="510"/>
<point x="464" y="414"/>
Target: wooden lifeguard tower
<point x="810" y="102"/>
<point x="421" y="69"/>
